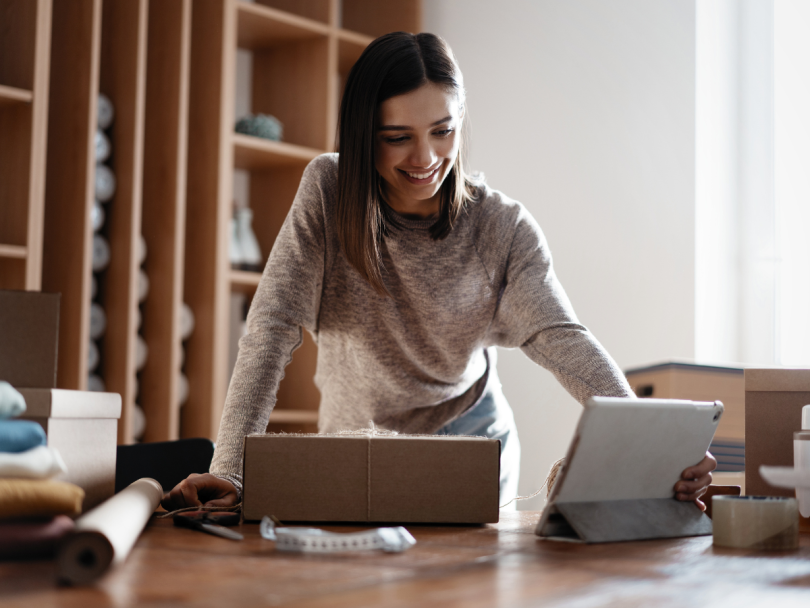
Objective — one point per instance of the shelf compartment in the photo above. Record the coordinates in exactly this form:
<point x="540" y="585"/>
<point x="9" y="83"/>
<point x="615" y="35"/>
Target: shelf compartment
<point x="282" y="416"/>
<point x="261" y="27"/>
<point x="375" y="18"/>
<point x="13" y="95"/>
<point x="12" y="273"/>
<point x="253" y="153"/>
<point x="18" y="40"/>
<point x="243" y="281"/>
<point x="164" y="211"/>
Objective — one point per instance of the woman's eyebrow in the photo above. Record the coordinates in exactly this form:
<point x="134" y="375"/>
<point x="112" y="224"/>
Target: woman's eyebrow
<point x="405" y="128"/>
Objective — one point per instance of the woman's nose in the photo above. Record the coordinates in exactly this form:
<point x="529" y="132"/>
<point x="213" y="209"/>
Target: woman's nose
<point x="423" y="155"/>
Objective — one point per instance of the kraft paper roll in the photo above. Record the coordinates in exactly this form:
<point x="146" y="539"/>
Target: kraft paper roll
<point x="755" y="522"/>
<point x="104" y="536"/>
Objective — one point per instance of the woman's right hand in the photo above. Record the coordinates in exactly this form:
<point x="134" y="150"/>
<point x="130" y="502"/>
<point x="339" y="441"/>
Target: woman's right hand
<point x="200" y="490"/>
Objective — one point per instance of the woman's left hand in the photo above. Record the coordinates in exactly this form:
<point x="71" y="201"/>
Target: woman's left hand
<point x="695" y="481"/>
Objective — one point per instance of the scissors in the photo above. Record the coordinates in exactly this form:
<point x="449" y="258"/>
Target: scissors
<point x="211" y="522"/>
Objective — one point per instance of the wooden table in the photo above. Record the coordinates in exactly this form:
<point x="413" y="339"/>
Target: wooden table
<point x="494" y="565"/>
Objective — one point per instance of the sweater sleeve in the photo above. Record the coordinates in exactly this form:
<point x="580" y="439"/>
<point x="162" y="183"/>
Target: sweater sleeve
<point x="287" y="301"/>
<point x="535" y="314"/>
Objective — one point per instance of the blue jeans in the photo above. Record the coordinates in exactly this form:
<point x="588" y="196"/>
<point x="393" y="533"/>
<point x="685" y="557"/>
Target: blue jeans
<point x="492" y="417"/>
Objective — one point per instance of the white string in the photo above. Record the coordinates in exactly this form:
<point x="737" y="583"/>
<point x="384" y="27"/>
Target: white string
<point x="549" y="483"/>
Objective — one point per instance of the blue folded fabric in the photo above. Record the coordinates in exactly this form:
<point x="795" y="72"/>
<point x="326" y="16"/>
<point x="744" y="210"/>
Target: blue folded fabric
<point x="11" y="401"/>
<point x="20" y="435"/>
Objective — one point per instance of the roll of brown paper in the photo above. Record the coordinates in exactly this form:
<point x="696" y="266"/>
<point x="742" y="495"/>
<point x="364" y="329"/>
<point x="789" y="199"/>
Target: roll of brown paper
<point x="104" y="536"/>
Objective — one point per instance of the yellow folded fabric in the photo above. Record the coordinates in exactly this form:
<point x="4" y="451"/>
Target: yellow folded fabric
<point x="39" y="498"/>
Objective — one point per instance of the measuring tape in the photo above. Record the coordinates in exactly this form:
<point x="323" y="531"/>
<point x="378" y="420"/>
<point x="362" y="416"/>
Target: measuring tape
<point x="315" y="540"/>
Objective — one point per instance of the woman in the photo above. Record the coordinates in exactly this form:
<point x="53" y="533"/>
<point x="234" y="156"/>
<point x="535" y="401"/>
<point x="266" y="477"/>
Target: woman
<point x="409" y="272"/>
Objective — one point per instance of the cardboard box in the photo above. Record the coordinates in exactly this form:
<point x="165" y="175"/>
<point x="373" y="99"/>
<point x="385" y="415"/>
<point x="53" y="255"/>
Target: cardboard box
<point x="83" y="426"/>
<point x="372" y="478"/>
<point x="773" y="411"/>
<point x="29" y="335"/>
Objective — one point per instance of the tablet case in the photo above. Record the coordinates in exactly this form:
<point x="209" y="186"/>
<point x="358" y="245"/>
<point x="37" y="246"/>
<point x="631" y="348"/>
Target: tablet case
<point x="623" y="462"/>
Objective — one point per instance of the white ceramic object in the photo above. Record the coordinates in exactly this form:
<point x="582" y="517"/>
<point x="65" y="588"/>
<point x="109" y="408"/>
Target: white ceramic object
<point x="251" y="252"/>
<point x="105" y="111"/>
<point x="97" y="216"/>
<point x="235" y="249"/>
<point x="93" y="356"/>
<point x="186" y="321"/>
<point x="182" y="389"/>
<point x="138" y="421"/>
<point x="104" y="183"/>
<point x="103" y="146"/>
<point x="141" y="250"/>
<point x="101" y="253"/>
<point x="141" y="353"/>
<point x="95" y="383"/>
<point x="143" y="286"/>
<point x="98" y="321"/>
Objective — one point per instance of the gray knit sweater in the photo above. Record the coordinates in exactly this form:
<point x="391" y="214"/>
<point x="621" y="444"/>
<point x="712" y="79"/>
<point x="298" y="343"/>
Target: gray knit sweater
<point x="415" y="361"/>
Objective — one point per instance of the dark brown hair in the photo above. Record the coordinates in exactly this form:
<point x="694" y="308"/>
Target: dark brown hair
<point x="393" y="64"/>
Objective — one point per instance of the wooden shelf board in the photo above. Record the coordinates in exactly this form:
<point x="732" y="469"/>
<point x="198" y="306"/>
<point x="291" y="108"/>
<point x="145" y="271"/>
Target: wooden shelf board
<point x="293" y="417"/>
<point x="12" y="95"/>
<point x="244" y="281"/>
<point x="255" y="153"/>
<point x="261" y="27"/>
<point x="17" y="252"/>
<point x="354" y="38"/>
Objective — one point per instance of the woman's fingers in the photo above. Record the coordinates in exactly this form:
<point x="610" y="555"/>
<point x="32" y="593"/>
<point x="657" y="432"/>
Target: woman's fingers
<point x="707" y="465"/>
<point x="198" y="489"/>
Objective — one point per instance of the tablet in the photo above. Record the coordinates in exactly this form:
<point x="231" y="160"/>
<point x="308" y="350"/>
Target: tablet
<point x="623" y="462"/>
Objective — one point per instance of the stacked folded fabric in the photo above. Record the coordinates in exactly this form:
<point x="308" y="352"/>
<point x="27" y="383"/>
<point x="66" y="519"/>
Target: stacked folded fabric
<point x="34" y="509"/>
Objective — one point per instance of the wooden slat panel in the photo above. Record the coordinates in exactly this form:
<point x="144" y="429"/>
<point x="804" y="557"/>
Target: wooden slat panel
<point x="123" y="80"/>
<point x="39" y="140"/>
<point x="75" y="46"/>
<point x="210" y="162"/>
<point x="319" y="10"/>
<point x="164" y="211"/>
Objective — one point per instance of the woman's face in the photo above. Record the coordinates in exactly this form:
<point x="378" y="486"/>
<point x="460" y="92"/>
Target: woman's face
<point x="416" y="145"/>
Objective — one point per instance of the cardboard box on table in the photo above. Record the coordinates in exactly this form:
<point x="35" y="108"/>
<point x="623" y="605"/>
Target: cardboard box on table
<point x="81" y="425"/>
<point x="372" y="478"/>
<point x="773" y="412"/>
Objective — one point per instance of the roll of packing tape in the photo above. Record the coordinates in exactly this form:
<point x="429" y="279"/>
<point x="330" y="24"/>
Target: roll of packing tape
<point x="755" y="522"/>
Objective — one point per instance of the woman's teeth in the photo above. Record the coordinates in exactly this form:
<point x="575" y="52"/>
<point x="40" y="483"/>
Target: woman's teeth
<point x="420" y="175"/>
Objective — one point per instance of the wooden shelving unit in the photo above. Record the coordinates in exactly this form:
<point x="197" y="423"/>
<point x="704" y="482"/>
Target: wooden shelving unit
<point x="301" y="57"/>
<point x="168" y="67"/>
<point x="25" y="39"/>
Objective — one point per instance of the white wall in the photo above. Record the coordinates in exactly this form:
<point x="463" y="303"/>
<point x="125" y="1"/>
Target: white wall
<point x="584" y="111"/>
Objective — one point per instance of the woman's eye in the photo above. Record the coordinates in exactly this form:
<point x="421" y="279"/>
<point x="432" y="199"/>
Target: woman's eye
<point x="443" y="132"/>
<point x="395" y="140"/>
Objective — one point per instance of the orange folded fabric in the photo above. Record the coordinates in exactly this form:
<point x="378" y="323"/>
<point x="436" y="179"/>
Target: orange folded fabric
<point x="39" y="498"/>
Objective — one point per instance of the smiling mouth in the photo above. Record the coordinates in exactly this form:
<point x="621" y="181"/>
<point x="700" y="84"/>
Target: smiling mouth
<point x="420" y="177"/>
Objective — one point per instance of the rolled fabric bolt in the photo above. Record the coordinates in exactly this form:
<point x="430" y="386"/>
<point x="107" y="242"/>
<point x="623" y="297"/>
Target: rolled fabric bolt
<point x="97" y="216"/>
<point x="105" y="183"/>
<point x="40" y="462"/>
<point x="141" y="353"/>
<point x="105" y="112"/>
<point x="143" y="286"/>
<point x="12" y="403"/>
<point x="26" y="539"/>
<point x="98" y="321"/>
<point x="141" y="250"/>
<point x="186" y="321"/>
<point x="104" y="537"/>
<point x="95" y="383"/>
<point x="138" y="421"/>
<point x="101" y="253"/>
<point x="93" y="356"/>
<point x="39" y="498"/>
<point x="755" y="522"/>
<point x="20" y="435"/>
<point x="103" y="146"/>
<point x="182" y="389"/>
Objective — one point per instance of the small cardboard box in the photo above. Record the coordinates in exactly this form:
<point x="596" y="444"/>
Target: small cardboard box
<point x="773" y="411"/>
<point x="83" y="427"/>
<point x="372" y="478"/>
